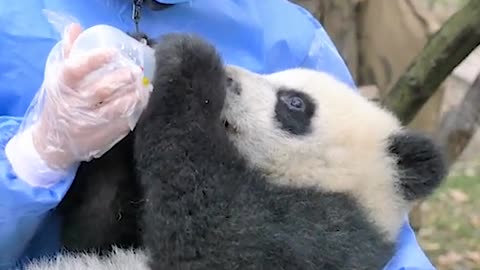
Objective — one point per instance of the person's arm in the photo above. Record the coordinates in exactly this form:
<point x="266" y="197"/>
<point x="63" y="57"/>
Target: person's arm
<point x="324" y="56"/>
<point x="28" y="191"/>
<point x="87" y="102"/>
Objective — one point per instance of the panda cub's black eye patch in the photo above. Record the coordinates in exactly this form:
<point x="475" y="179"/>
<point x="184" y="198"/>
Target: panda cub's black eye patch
<point x="294" y="110"/>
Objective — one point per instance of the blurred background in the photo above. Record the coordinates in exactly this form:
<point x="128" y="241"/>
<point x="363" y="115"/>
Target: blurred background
<point x="378" y="40"/>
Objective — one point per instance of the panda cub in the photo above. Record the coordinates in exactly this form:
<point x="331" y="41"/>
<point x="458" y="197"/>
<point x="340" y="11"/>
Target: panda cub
<point x="230" y="169"/>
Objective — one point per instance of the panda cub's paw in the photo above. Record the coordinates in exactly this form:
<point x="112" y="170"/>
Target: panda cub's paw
<point x="189" y="75"/>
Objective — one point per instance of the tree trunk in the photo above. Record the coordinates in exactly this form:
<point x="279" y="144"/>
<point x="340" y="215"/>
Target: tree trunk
<point x="455" y="40"/>
<point x="460" y="123"/>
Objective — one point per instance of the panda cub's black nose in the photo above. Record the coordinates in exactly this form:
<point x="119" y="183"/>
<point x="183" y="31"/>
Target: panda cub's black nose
<point x="233" y="86"/>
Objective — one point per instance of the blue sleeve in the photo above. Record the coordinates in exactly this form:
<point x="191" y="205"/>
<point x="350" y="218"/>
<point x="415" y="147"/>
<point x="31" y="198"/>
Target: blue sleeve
<point x="409" y="255"/>
<point x="22" y="207"/>
<point x="324" y="56"/>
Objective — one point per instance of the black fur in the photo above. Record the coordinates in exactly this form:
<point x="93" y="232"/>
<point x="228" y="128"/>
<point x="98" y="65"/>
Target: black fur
<point x="200" y="206"/>
<point x="294" y="111"/>
<point x="420" y="162"/>
<point x="102" y="206"/>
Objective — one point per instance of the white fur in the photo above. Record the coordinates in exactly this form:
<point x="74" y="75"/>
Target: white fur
<point x="346" y="151"/>
<point x="118" y="260"/>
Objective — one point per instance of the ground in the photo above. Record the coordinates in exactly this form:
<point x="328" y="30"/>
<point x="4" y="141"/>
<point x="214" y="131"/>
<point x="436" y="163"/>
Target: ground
<point x="450" y="233"/>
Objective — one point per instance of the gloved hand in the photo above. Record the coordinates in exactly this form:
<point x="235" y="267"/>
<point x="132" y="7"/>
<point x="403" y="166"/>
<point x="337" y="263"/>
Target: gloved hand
<point x="87" y="103"/>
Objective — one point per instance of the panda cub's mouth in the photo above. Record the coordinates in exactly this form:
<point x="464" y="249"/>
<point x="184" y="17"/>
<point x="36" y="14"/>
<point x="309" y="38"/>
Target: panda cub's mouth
<point x="229" y="126"/>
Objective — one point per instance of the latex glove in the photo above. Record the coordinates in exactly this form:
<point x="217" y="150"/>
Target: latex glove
<point x="87" y="103"/>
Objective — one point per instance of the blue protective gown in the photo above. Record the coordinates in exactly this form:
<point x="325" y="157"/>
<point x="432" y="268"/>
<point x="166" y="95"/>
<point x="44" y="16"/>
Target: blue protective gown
<point x="261" y="35"/>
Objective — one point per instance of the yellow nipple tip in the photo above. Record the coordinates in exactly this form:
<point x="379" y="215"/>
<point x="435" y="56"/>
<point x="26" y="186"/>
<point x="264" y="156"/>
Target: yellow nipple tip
<point x="146" y="82"/>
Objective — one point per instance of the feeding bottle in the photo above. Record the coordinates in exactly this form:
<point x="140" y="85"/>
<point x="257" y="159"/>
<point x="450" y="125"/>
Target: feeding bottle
<point x="105" y="36"/>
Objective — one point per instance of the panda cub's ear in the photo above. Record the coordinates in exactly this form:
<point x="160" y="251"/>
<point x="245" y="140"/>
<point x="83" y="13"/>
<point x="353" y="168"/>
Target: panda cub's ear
<point x="420" y="162"/>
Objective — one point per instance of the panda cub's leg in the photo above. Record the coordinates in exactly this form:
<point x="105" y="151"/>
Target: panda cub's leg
<point x="102" y="206"/>
<point x="179" y="141"/>
<point x="189" y="83"/>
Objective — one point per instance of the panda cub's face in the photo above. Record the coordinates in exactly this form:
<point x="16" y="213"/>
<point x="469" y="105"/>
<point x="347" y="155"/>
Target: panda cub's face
<point x="303" y="128"/>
